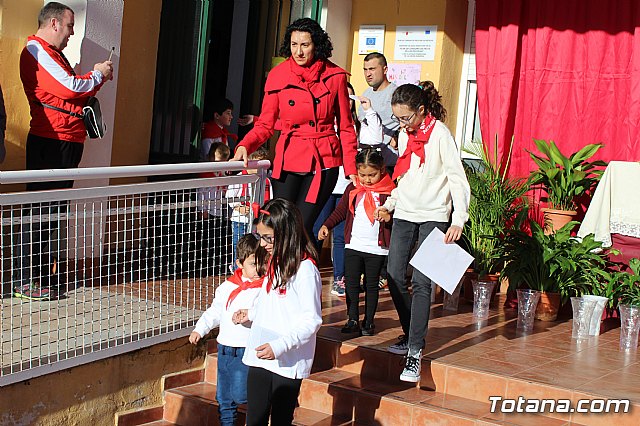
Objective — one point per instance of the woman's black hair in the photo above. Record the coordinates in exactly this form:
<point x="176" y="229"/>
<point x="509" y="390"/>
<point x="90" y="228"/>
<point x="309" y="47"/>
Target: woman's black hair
<point x="320" y="38"/>
<point x="291" y="243"/>
<point x="414" y="96"/>
<point x="370" y="156"/>
<point x="354" y="114"/>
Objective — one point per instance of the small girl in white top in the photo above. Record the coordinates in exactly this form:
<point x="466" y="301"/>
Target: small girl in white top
<point x="367" y="240"/>
<point x="432" y="192"/>
<point x="286" y="318"/>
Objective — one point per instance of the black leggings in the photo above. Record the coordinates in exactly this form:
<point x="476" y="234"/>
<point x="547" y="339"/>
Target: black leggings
<point x="294" y="187"/>
<point x="269" y="394"/>
<point x="357" y="263"/>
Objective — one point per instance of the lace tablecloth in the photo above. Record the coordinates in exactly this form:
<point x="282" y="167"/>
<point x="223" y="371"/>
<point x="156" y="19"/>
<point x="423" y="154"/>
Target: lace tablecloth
<point x="615" y="207"/>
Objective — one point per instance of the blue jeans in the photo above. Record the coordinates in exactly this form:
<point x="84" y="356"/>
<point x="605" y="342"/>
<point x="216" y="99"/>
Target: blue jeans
<point x="231" y="388"/>
<point x="337" y="254"/>
<point x="238" y="229"/>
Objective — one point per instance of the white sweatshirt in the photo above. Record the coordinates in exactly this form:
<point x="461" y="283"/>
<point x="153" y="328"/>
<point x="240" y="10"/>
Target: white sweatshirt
<point x="430" y="191"/>
<point x="289" y="322"/>
<point x="234" y="335"/>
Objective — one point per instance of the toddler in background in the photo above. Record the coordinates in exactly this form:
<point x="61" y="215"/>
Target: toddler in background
<point x="243" y="212"/>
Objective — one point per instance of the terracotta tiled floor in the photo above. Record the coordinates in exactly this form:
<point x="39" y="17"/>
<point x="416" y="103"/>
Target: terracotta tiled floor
<point x="548" y="356"/>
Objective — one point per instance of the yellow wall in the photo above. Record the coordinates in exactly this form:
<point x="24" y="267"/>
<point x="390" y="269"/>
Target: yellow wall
<point x="92" y="394"/>
<point x="450" y="17"/>
<point x="136" y="82"/>
<point x="19" y="19"/>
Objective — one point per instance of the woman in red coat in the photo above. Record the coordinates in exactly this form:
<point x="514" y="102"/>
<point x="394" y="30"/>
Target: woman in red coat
<point x="308" y="95"/>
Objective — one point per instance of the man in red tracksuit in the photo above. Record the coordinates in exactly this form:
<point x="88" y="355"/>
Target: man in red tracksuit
<point x="56" y="138"/>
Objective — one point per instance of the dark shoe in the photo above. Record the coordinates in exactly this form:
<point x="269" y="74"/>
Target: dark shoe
<point x="351" y="327"/>
<point x="368" y="329"/>
<point x="401" y="347"/>
<point x="35" y="292"/>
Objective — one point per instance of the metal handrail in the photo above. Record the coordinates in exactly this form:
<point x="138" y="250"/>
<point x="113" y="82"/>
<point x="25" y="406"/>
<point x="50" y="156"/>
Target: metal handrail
<point x="27" y="176"/>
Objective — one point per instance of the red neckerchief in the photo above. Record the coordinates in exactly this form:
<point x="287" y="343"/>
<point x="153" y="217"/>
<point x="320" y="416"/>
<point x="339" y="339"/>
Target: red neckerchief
<point x="309" y="74"/>
<point x="236" y="278"/>
<point x="282" y="291"/>
<point x="211" y="130"/>
<point x="384" y="186"/>
<point x="415" y="145"/>
<point x="255" y="207"/>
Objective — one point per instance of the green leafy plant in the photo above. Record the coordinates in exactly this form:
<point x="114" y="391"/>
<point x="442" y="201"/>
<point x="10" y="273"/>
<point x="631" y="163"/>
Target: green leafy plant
<point x="496" y="201"/>
<point x="555" y="263"/>
<point x="565" y="178"/>
<point x="630" y="284"/>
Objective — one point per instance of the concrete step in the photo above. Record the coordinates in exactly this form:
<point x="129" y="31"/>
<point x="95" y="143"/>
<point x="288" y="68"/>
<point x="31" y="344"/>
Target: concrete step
<point x="370" y="401"/>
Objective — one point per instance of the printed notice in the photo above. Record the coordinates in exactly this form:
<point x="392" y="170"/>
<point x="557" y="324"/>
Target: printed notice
<point x="442" y="263"/>
<point x="370" y="39"/>
<point x="415" y="43"/>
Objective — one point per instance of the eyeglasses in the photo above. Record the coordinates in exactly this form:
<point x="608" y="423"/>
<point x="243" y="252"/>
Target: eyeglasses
<point x="269" y="239"/>
<point x="402" y="119"/>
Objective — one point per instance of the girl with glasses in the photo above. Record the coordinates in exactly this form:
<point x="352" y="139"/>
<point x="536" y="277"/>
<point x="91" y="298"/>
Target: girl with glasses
<point x="432" y="192"/>
<point x="285" y="318"/>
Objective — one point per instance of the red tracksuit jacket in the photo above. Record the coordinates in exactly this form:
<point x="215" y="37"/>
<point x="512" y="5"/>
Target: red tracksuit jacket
<point x="48" y="78"/>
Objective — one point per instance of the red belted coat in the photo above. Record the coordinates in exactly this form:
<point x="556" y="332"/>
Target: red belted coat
<point x="317" y="126"/>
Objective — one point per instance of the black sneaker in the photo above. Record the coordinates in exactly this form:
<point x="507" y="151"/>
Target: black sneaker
<point x="368" y="329"/>
<point x="351" y="327"/>
<point x="400" y="348"/>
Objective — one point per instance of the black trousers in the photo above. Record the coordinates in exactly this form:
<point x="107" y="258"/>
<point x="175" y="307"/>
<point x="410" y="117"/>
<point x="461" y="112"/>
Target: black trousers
<point x="37" y="249"/>
<point x="357" y="263"/>
<point x="294" y="187"/>
<point x="270" y="395"/>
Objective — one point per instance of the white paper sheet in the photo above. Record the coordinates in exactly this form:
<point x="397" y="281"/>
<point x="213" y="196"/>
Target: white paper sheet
<point x="443" y="263"/>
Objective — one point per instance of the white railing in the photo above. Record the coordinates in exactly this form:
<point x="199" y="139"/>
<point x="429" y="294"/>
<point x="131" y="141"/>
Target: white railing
<point x="126" y="266"/>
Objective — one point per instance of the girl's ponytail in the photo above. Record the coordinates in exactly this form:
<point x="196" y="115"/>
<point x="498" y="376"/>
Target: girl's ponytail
<point x="432" y="100"/>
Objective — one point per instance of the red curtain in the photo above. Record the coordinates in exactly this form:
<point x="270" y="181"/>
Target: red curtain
<point x="565" y="70"/>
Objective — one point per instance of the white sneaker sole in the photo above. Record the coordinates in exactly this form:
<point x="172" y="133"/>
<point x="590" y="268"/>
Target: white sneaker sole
<point x="411" y="379"/>
<point x="397" y="351"/>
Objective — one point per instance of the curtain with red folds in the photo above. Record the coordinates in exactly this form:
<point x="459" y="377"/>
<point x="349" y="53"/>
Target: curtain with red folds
<point x="565" y="70"/>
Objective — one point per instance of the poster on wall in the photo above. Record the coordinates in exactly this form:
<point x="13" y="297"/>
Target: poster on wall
<point x="415" y="43"/>
<point x="370" y="39"/>
<point x="404" y="73"/>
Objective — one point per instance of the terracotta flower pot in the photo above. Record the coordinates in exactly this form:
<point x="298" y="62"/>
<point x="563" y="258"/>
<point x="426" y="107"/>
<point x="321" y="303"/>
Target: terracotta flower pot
<point x="548" y="306"/>
<point x="556" y="219"/>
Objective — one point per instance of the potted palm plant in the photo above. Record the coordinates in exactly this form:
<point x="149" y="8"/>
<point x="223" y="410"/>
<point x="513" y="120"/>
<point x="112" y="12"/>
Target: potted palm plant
<point x="496" y="201"/>
<point x="555" y="264"/>
<point x="564" y="179"/>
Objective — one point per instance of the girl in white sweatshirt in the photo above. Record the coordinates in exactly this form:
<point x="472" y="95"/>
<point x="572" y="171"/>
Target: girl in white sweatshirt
<point x="432" y="192"/>
<point x="286" y="317"/>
